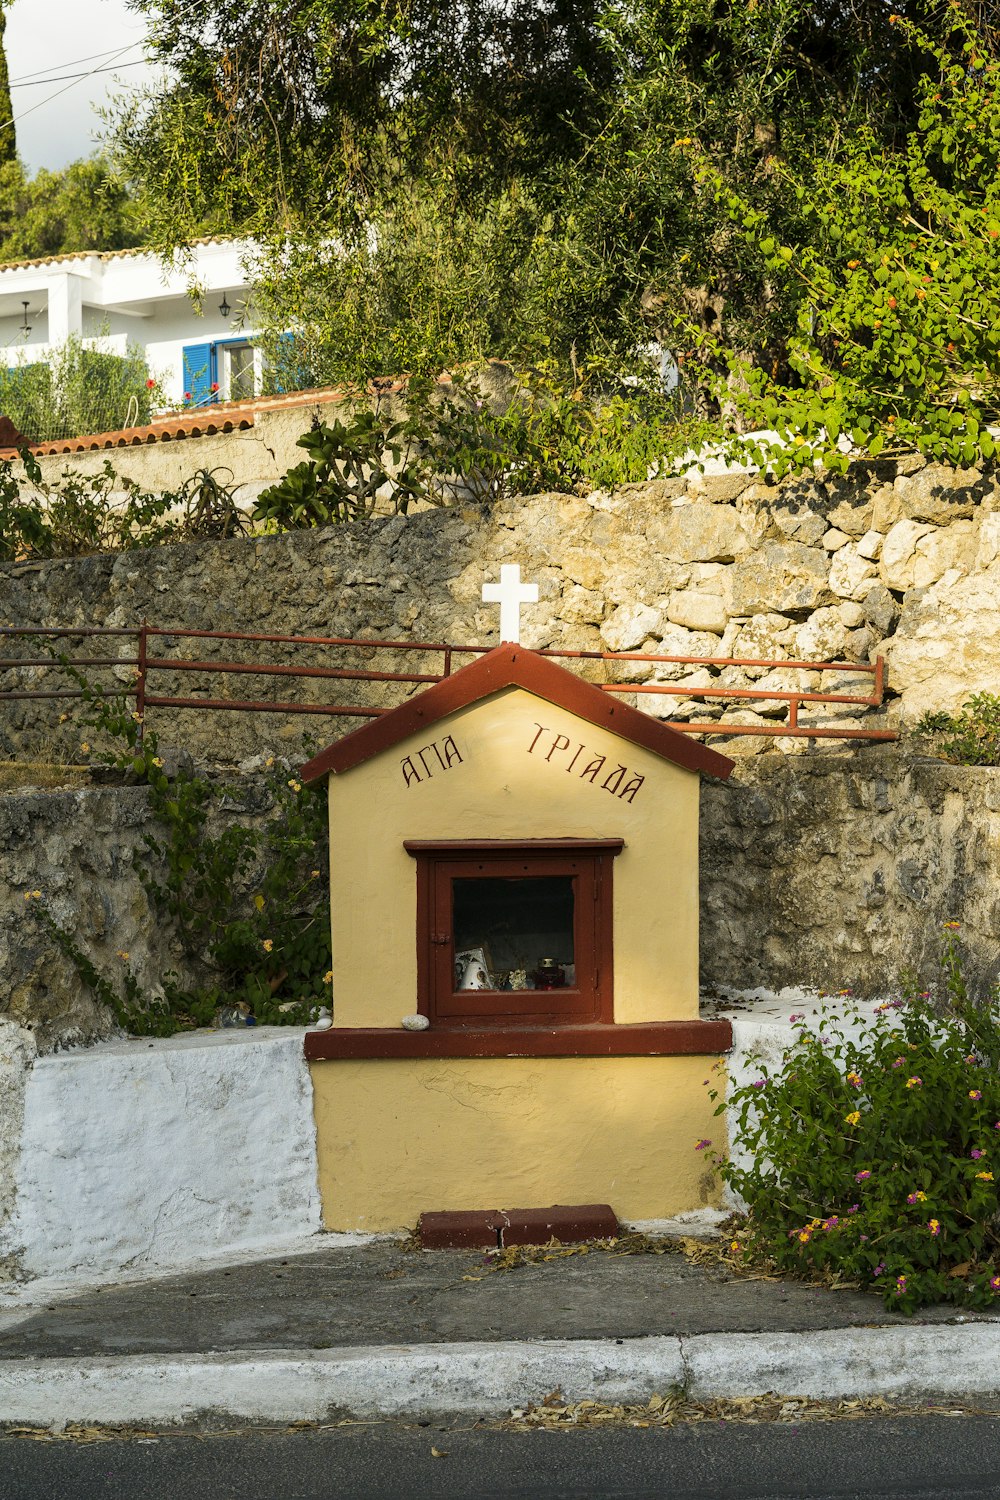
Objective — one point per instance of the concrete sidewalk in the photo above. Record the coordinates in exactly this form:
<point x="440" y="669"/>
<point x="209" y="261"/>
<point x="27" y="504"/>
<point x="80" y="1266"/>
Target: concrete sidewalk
<point x="380" y="1330"/>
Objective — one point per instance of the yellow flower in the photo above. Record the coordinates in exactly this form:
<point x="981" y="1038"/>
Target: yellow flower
<point x="984" y="1176"/>
<point x="734" y="1246"/>
<point x="258" y="901"/>
<point x="313" y="874"/>
<point x="32" y="895"/>
<point x="121" y="953"/>
<point x="157" y="761"/>
<point x="269" y="762"/>
<point x="328" y="977"/>
<point x="853" y="1118"/>
<point x="296" y="786"/>
<point x="268" y="944"/>
<point x="85" y="747"/>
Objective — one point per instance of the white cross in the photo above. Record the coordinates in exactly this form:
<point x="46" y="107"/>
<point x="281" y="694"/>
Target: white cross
<point x="510" y="593"/>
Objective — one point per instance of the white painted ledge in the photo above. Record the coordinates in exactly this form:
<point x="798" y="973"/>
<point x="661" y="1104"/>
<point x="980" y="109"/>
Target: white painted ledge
<point x="145" y="1156"/>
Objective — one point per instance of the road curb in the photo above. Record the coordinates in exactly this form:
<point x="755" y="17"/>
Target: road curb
<point x="488" y="1379"/>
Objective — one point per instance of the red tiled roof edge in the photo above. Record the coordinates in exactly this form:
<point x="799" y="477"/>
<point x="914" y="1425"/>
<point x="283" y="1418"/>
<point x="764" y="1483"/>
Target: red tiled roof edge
<point x="203" y="421"/>
<point x="206" y="421"/>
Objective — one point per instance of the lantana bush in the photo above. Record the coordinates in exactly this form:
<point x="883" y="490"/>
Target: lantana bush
<point x="874" y="1150"/>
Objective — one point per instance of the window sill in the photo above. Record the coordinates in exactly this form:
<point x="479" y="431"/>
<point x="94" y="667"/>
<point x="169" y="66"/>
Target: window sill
<point x="651" y="1039"/>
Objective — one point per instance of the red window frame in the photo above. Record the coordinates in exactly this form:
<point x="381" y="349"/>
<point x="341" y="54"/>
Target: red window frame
<point x="588" y="862"/>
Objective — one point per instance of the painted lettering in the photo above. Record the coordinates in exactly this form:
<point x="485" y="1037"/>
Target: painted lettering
<point x="576" y="756"/>
<point x="559" y="743"/>
<point x="448" y="756"/>
<point x="541" y="730"/>
<point x="453" y="755"/>
<point x="591" y="769"/>
<point x="628" y="791"/>
<point x="613" y="780"/>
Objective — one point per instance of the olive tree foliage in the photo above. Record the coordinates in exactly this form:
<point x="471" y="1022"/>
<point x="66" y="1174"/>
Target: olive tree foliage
<point x="433" y="182"/>
<point x="896" y="282"/>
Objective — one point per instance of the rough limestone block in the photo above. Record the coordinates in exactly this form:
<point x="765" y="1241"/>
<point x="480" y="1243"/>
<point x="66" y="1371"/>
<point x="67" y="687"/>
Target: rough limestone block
<point x="851" y="575"/>
<point x="630" y="625"/>
<point x="823" y="637"/>
<point x="833" y="540"/>
<point x="899" y="552"/>
<point x="988" y="550"/>
<point x="870" y="545"/>
<point x="780" y="576"/>
<point x="940" y="494"/>
<point x="696" y="611"/>
<point x="702" y="533"/>
<point x="947" y="643"/>
<point x="949" y="547"/>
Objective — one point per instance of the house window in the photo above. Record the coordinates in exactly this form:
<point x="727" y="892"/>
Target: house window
<point x="514" y="933"/>
<point x="237" y="372"/>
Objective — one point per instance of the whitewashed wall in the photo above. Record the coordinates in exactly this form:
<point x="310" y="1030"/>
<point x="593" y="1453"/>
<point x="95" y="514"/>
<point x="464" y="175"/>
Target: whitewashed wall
<point x="148" y="1156"/>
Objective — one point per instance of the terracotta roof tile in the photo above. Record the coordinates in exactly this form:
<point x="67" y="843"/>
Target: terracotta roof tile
<point x="201" y="421"/>
<point x="52" y="260"/>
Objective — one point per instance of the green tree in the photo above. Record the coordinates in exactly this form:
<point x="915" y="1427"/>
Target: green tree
<point x="81" y="207"/>
<point x="501" y="174"/>
<point x="896" y="282"/>
<point x="8" y="139"/>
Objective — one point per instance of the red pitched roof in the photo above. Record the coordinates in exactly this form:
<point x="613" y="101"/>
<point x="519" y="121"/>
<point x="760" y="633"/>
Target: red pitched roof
<point x="515" y="666"/>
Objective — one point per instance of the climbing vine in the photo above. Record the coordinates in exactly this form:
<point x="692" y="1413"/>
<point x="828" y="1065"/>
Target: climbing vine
<point x="248" y="905"/>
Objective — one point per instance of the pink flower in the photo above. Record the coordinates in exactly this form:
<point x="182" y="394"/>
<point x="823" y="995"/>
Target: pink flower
<point x="861" y="1176"/>
<point x="899" y="1063"/>
<point x="701" y="1145"/>
<point x="934" y="1225"/>
<point x="879" y="1269"/>
<point x="975" y="1093"/>
<point x="900" y="1285"/>
<point x="758" y="1083"/>
<point x="854" y="1208"/>
<point x="831" y="1222"/>
<point x="914" y="1083"/>
<point x="798" y="1016"/>
<point x="995" y="1283"/>
<point x="976" y="1154"/>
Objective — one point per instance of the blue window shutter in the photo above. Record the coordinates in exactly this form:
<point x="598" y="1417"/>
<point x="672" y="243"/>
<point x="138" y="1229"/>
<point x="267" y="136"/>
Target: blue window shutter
<point x="201" y="365"/>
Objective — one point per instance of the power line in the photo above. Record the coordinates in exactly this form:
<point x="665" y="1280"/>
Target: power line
<point x="58" y="77"/>
<point x="71" y="62"/>
<point x="73" y="82"/>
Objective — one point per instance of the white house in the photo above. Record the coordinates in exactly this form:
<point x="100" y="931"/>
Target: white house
<point x="119" y="297"/>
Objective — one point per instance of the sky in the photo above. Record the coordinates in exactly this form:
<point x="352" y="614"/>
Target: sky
<point x="50" y="37"/>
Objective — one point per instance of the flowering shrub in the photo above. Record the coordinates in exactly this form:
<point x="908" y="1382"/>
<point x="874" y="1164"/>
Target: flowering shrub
<point x="875" y="1159"/>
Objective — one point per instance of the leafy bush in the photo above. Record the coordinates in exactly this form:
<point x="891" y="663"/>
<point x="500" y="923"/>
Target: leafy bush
<point x="973" y="735"/>
<point x="84" y="514"/>
<point x="453" y="443"/>
<point x="77" y="390"/>
<point x="878" y="1159"/>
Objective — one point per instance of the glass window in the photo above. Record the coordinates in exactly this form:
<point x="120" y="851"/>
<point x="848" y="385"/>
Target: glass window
<point x="513" y="934"/>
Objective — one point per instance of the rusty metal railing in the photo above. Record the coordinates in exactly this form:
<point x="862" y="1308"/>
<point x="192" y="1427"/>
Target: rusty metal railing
<point x="144" y="665"/>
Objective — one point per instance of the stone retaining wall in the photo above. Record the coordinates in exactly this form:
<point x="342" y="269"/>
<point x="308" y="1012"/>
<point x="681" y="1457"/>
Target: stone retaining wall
<point x="830" y="871"/>
<point x="898" y="559"/>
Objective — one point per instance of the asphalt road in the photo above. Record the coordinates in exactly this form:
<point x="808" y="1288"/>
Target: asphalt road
<point x="925" y="1457"/>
